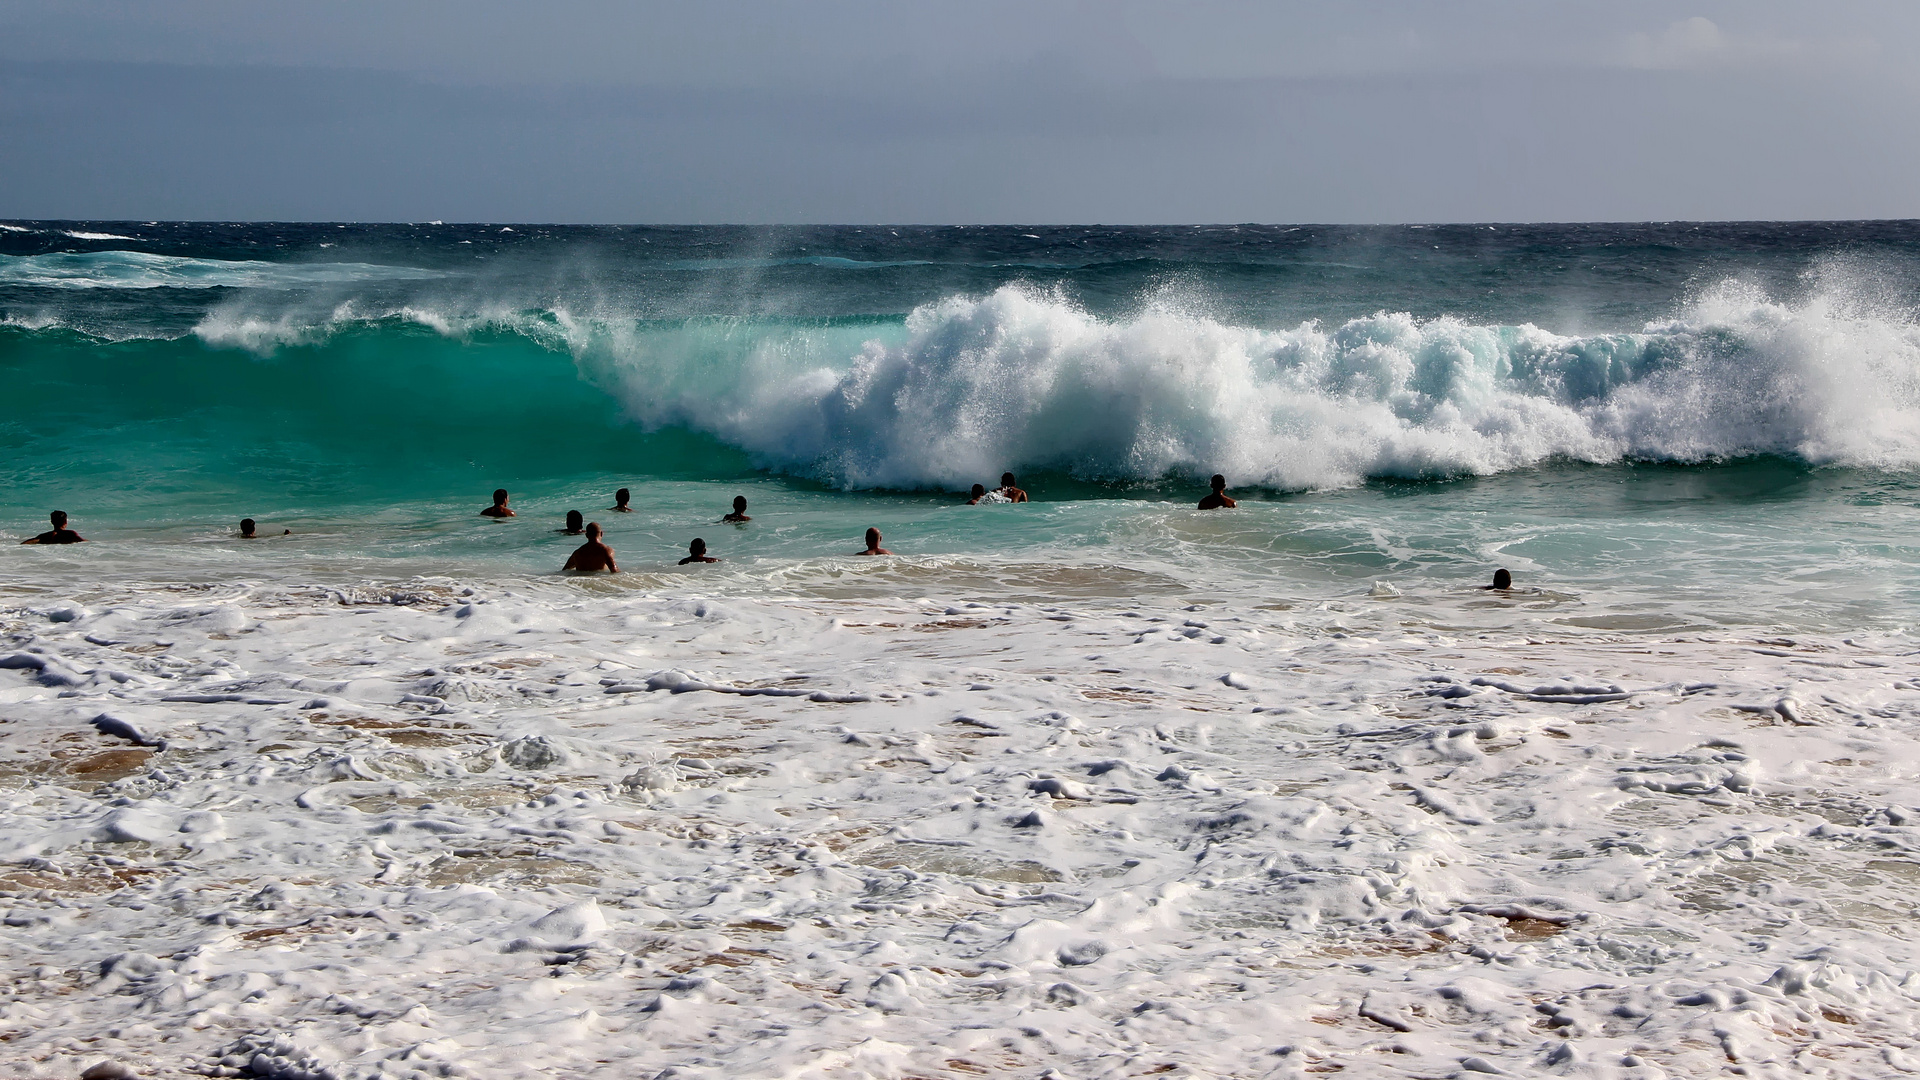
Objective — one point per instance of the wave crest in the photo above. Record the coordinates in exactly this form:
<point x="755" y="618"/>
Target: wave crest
<point x="1020" y="379"/>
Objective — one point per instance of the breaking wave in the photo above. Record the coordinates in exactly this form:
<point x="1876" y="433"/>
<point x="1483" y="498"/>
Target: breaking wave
<point x="1023" y="379"/>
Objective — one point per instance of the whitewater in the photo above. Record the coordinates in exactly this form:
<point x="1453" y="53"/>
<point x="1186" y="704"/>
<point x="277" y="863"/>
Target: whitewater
<point x="1098" y="785"/>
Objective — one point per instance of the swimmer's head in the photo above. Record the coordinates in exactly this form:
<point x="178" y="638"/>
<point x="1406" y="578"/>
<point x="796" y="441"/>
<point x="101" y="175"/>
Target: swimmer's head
<point x="739" y="504"/>
<point x="620" y="497"/>
<point x="697" y="548"/>
<point x="59" y="519"/>
<point x="499" y="496"/>
<point x="1006" y="480"/>
<point x="247" y="526"/>
<point x="978" y="490"/>
<point x="1502" y="579"/>
<point x="1219" y="482"/>
<point x="593" y="530"/>
<point x="873" y="537"/>
<point x="574" y="518"/>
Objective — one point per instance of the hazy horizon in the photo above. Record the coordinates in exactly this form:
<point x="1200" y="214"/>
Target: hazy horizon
<point x="756" y="112"/>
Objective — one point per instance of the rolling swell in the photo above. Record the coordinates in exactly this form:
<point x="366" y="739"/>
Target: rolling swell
<point x="955" y="392"/>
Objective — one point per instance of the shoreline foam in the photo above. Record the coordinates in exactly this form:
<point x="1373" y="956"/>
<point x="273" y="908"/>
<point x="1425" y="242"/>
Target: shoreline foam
<point x="450" y="831"/>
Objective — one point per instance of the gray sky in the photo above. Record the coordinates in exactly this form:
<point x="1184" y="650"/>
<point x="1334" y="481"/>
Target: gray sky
<point x="978" y="111"/>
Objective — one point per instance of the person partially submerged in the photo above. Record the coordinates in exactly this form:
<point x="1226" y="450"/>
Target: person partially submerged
<point x="250" y="530"/>
<point x="499" y="507"/>
<point x="980" y="495"/>
<point x="59" y="534"/>
<point x="592" y="555"/>
<point x="873" y="544"/>
<point x="620" y="500"/>
<point x="1010" y="489"/>
<point x="1218" y="499"/>
<point x="739" y="514"/>
<point x="574" y="526"/>
<point x="697" y="552"/>
<point x="1501" y="580"/>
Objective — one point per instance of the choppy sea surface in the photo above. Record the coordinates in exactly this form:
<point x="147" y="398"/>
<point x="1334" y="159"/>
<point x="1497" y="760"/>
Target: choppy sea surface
<point x="1099" y="784"/>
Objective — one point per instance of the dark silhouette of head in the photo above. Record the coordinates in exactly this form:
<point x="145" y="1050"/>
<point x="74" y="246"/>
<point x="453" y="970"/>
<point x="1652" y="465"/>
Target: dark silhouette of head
<point x="1219" y="482"/>
<point x="873" y="537"/>
<point x="739" y="504"/>
<point x="1502" y="579"/>
<point x="620" y="497"/>
<point x="59" y="519"/>
<point x="593" y="530"/>
<point x="697" y="548"/>
<point x="574" y="520"/>
<point x="978" y="490"/>
<point x="499" y="496"/>
<point x="247" y="526"/>
<point x="1006" y="480"/>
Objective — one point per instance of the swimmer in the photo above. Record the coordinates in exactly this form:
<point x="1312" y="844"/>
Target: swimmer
<point x="592" y="555"/>
<point x="1218" y="497"/>
<point x="59" y="534"/>
<point x="1010" y="489"/>
<point x="873" y="544"/>
<point x="499" y="507"/>
<point x="248" y="530"/>
<point x="739" y="514"/>
<point x="697" y="552"/>
<point x="1501" y="580"/>
<point x="620" y="499"/>
<point x="979" y="492"/>
<point x="574" y="527"/>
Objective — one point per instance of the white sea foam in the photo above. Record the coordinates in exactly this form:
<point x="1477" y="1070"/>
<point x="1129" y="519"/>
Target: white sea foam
<point x="970" y="386"/>
<point x="510" y="830"/>
<point x="144" y="270"/>
<point x="95" y="235"/>
<point x="1018" y="378"/>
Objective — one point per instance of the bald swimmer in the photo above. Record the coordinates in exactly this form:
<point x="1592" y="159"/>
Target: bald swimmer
<point x="592" y="555"/>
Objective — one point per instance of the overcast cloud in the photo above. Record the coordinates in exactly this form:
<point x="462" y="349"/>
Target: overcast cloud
<point x="776" y="110"/>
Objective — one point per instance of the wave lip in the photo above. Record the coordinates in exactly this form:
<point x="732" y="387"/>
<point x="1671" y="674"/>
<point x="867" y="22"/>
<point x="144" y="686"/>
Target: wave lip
<point x="144" y="270"/>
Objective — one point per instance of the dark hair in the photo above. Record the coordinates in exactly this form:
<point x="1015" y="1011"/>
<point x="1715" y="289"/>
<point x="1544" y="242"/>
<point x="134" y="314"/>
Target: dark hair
<point x="1219" y="482"/>
<point x="246" y="525"/>
<point x="698" y="547"/>
<point x="1502" y="579"/>
<point x="873" y="534"/>
<point x="622" y="495"/>
<point x="739" y="502"/>
<point x="1006" y="479"/>
<point x="574" y="518"/>
<point x="499" y="496"/>
<point x="58" y="517"/>
<point x="978" y="490"/>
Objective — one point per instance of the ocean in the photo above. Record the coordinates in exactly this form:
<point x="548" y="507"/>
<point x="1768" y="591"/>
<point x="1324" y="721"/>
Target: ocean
<point x="1098" y="783"/>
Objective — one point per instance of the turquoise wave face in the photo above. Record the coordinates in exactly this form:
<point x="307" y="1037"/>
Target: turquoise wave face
<point x="376" y="412"/>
